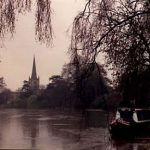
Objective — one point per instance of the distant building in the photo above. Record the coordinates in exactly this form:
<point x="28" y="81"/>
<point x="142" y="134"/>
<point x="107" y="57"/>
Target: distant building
<point x="34" y="80"/>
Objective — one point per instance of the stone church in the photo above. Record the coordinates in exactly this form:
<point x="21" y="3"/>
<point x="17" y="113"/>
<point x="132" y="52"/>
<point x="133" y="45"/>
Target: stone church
<point x="34" y="80"/>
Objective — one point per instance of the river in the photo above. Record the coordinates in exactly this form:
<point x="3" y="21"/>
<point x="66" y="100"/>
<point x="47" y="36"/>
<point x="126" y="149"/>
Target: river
<point x="58" y="130"/>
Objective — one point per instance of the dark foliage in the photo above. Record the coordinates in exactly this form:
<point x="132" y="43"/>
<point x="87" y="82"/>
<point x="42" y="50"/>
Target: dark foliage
<point x="120" y="30"/>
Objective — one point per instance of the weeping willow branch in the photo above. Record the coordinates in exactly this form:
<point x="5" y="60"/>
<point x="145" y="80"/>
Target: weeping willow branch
<point x="117" y="28"/>
<point x="9" y="9"/>
<point x="43" y="21"/>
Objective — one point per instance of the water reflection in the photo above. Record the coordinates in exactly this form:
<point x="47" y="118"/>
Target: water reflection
<point x="30" y="129"/>
<point x="132" y="146"/>
<point x="51" y="130"/>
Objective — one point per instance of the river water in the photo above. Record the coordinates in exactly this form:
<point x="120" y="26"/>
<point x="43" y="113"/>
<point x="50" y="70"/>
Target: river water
<point x="58" y="130"/>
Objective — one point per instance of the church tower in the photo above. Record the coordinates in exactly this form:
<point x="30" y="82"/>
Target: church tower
<point x="34" y="80"/>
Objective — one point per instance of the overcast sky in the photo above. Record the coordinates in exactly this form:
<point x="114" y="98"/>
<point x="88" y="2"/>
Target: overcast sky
<point x="17" y="55"/>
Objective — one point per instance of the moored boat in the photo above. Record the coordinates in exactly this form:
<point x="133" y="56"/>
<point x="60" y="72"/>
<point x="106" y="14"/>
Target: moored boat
<point x="130" y="122"/>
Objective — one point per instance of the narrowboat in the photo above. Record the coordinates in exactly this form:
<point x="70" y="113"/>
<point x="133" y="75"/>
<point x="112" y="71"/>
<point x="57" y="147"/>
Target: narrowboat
<point x="130" y="122"/>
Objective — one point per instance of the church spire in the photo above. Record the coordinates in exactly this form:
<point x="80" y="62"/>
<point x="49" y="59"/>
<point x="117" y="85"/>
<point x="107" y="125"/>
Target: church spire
<point x="34" y="75"/>
<point x="34" y="80"/>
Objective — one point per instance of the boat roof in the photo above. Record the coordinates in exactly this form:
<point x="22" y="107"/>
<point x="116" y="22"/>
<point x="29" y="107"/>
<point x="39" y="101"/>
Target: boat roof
<point x="132" y="109"/>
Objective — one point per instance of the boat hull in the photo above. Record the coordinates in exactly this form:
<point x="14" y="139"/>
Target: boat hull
<point x="131" y="129"/>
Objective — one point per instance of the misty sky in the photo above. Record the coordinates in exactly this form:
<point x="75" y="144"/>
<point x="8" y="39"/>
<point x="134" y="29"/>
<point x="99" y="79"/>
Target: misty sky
<point x="17" y="54"/>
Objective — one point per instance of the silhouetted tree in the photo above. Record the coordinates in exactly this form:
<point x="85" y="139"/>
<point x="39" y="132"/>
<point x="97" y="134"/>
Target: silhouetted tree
<point x="5" y="96"/>
<point x="120" y="30"/>
<point x="56" y="93"/>
<point x="26" y="90"/>
<point x="2" y="83"/>
<point x="89" y="83"/>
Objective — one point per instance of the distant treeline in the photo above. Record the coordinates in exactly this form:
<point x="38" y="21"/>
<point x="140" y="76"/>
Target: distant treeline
<point x="80" y="89"/>
<point x="62" y="91"/>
